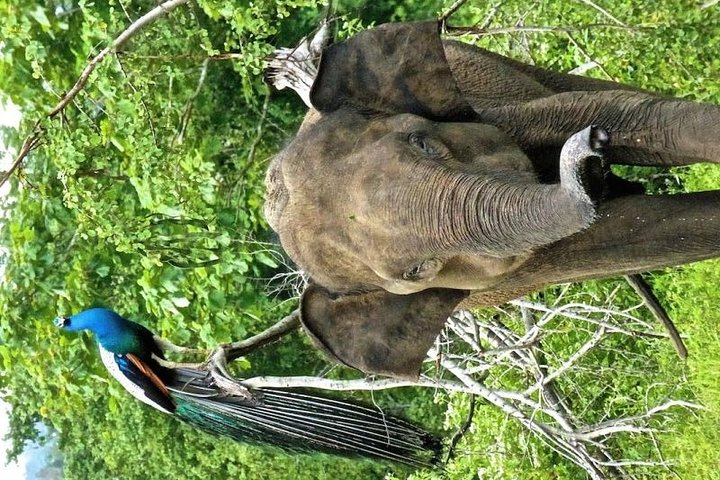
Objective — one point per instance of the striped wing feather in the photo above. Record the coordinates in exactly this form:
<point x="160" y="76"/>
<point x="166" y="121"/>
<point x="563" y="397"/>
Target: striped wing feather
<point x="138" y="379"/>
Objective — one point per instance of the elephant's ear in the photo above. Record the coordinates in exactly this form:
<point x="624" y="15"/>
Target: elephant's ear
<point x="377" y="332"/>
<point x="393" y="68"/>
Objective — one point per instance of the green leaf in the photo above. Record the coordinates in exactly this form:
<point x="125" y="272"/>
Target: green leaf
<point x="38" y="13"/>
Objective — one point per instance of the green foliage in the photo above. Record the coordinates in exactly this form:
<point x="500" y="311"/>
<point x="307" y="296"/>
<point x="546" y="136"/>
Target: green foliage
<point x="146" y="196"/>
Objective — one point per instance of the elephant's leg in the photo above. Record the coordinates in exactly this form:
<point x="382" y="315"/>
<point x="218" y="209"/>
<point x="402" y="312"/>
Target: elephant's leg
<point x="669" y="130"/>
<point x="631" y="235"/>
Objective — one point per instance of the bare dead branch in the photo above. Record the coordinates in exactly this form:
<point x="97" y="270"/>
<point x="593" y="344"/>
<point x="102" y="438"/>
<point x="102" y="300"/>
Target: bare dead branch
<point x="218" y="57"/>
<point x="540" y="407"/>
<point x="571" y="361"/>
<point x="568" y="312"/>
<point x="636" y="418"/>
<point x="561" y="445"/>
<point x="582" y="50"/>
<point x="365" y="384"/>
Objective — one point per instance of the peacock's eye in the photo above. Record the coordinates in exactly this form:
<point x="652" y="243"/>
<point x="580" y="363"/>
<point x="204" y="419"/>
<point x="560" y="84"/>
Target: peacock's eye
<point x="62" y="322"/>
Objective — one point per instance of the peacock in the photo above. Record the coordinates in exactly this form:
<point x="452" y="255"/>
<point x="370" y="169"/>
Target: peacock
<point x="292" y="420"/>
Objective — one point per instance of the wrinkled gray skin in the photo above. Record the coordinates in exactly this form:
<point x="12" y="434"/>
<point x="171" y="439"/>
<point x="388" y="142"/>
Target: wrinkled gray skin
<point x="434" y="174"/>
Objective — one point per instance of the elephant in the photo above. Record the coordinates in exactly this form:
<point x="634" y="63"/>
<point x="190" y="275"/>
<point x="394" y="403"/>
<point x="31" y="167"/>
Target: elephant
<point x="430" y="175"/>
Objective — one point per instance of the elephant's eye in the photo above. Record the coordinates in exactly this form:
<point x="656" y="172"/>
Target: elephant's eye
<point x="425" y="270"/>
<point x="413" y="273"/>
<point x="420" y="141"/>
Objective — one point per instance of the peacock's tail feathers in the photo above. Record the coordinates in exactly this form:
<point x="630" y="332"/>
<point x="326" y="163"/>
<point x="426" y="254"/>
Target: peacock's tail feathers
<point x="301" y="422"/>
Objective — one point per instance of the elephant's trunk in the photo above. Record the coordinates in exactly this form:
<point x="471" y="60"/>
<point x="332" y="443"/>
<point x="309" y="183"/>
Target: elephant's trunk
<point x="503" y="216"/>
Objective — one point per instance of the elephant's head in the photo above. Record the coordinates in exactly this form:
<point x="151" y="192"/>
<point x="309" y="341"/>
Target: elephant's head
<point x="399" y="210"/>
<point x="403" y="203"/>
<point x="400" y="200"/>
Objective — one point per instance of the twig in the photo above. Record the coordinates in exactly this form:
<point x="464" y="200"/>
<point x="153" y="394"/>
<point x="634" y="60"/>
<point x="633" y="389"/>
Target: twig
<point x="259" y="130"/>
<point x="185" y="120"/>
<point x="32" y="141"/>
<point x="127" y="15"/>
<point x="460" y="433"/>
<point x="566" y="311"/>
<point x="579" y="353"/>
<point x="188" y="56"/>
<point x="635" y="418"/>
<point x="603" y="11"/>
<point x="538" y="29"/>
<point x="448" y="13"/>
<point x="142" y="101"/>
<point x="588" y="57"/>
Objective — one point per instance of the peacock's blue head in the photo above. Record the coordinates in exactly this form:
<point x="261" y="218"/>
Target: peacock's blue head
<point x="100" y="321"/>
<point x="112" y="331"/>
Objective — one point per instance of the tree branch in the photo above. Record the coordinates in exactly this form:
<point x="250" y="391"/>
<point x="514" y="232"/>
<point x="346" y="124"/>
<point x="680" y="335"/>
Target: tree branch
<point x="462" y="430"/>
<point x="364" y="384"/>
<point x="288" y="324"/>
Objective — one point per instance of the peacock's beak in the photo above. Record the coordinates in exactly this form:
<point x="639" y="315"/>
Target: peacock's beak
<point x="60" y="322"/>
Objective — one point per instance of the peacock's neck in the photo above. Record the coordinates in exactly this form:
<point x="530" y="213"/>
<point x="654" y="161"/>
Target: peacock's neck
<point x="119" y="341"/>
